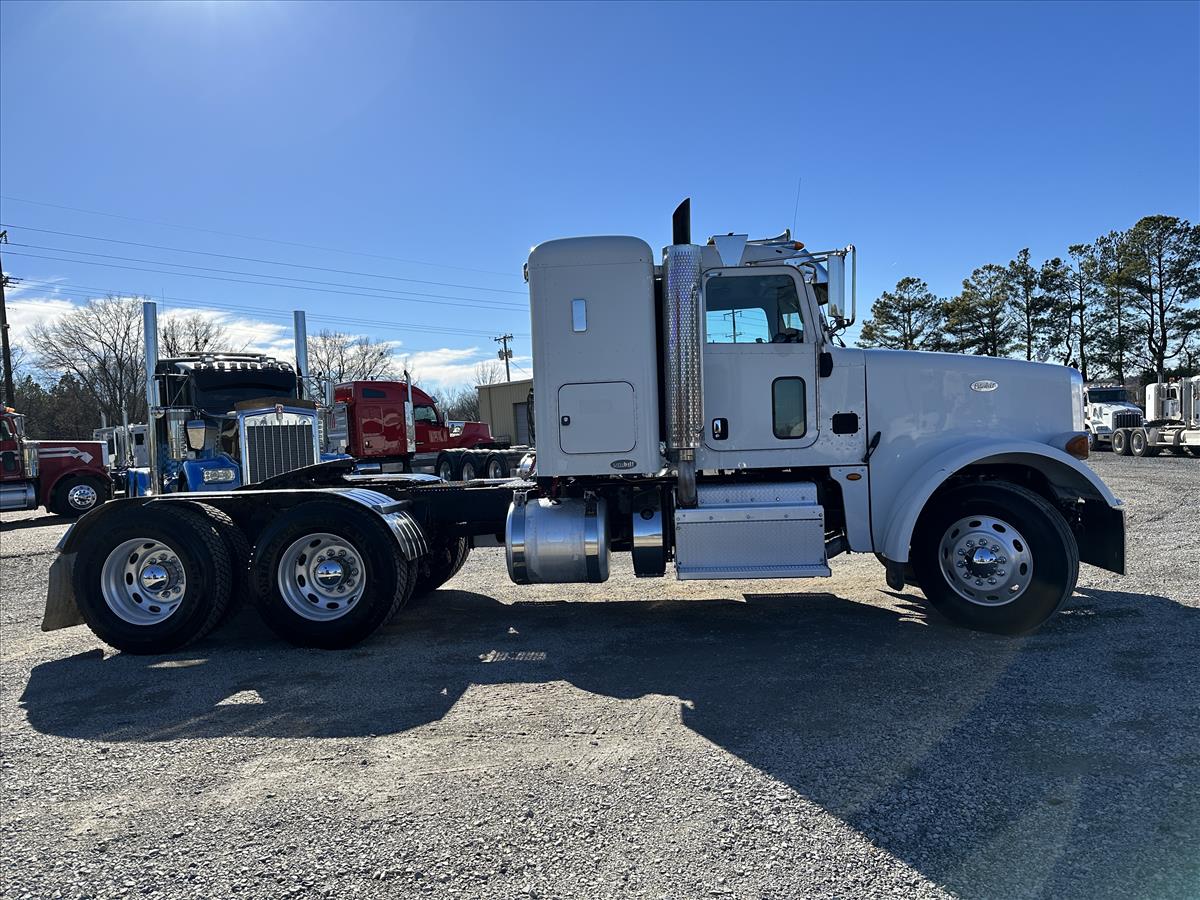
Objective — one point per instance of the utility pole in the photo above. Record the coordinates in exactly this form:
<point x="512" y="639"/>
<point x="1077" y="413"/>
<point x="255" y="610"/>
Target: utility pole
<point x="9" y="399"/>
<point x="505" y="354"/>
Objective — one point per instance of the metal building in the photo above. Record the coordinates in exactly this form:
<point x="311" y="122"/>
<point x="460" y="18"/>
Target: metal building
<point x="505" y="408"/>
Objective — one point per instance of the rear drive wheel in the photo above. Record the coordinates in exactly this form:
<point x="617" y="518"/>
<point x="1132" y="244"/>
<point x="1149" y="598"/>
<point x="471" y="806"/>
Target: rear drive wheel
<point x="440" y="564"/>
<point x="1193" y="452"/>
<point x="1120" y="442"/>
<point x="153" y="579"/>
<point x="470" y="465"/>
<point x="239" y="551"/>
<point x="995" y="557"/>
<point x="449" y="467"/>
<point x="1139" y="445"/>
<point x="78" y="494"/>
<point x="328" y="575"/>
<point x="497" y="467"/>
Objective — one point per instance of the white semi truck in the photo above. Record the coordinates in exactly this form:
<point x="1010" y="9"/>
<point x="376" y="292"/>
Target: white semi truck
<point x="694" y="411"/>
<point x="1172" y="421"/>
<point x="1107" y="409"/>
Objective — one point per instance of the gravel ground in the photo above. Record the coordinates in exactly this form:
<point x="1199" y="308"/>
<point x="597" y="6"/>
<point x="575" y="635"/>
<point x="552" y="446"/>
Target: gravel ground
<point x="639" y="738"/>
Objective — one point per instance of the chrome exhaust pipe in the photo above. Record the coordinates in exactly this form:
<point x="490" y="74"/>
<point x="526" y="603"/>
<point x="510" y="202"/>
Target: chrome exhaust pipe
<point x="300" y="327"/>
<point x="682" y="360"/>
<point x="150" y="339"/>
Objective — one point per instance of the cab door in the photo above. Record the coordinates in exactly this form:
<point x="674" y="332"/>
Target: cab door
<point x="760" y="362"/>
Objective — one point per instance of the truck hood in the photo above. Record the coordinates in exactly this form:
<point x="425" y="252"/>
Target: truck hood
<point x="916" y="396"/>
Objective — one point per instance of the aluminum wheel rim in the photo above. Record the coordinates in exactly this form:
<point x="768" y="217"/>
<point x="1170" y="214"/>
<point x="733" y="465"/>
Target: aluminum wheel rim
<point x="494" y="469"/>
<point x="445" y="471"/>
<point x="321" y="576"/>
<point x="82" y="496"/>
<point x="468" y="472"/>
<point x="143" y="581"/>
<point x="985" y="560"/>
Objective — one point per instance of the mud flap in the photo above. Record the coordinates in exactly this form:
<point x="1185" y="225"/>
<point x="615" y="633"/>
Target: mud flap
<point x="61" y="609"/>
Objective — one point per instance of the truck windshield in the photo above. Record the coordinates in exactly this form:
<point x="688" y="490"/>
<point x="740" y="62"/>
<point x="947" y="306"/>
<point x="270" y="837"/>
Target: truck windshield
<point x="217" y="392"/>
<point x="1108" y="395"/>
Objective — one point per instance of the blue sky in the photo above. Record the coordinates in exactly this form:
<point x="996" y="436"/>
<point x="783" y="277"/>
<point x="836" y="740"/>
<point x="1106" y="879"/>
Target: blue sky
<point x="451" y="138"/>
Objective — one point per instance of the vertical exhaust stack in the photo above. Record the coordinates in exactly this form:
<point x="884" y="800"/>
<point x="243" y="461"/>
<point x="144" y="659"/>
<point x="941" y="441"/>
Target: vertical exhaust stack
<point x="300" y="327"/>
<point x="150" y="338"/>
<point x="682" y="357"/>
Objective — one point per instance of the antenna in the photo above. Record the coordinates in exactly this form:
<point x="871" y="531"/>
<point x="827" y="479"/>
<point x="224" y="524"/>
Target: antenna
<point x="796" y="208"/>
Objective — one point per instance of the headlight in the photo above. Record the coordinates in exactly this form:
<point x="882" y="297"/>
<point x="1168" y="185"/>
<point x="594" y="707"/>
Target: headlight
<point x="219" y="476"/>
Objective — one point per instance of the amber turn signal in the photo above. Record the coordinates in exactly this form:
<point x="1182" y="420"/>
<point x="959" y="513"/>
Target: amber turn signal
<point x="1078" y="446"/>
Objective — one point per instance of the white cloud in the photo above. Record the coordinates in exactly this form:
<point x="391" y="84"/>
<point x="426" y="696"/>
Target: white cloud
<point x="24" y="314"/>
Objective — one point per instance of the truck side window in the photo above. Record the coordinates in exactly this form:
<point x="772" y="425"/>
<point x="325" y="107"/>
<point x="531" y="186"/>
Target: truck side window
<point x="5" y="432"/>
<point x="752" y="309"/>
<point x="425" y="414"/>
<point x="374" y="394"/>
<point x="789" y="415"/>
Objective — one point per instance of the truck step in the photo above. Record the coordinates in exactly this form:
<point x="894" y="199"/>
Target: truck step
<point x="753" y="530"/>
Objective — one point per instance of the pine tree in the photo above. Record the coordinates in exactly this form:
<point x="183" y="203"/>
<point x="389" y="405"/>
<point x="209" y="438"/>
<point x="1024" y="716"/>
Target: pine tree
<point x="1029" y="304"/>
<point x="979" y="320"/>
<point x="903" y="319"/>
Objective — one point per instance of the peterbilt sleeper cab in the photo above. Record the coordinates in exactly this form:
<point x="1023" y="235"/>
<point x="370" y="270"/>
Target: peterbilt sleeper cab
<point x="695" y="411"/>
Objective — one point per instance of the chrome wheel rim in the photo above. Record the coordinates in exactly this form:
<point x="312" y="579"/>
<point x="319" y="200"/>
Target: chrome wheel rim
<point x="82" y="497"/>
<point x="321" y="577"/>
<point x="985" y="560"/>
<point x="468" y="471"/>
<point x="445" y="470"/>
<point x="143" y="581"/>
<point x="493" y="469"/>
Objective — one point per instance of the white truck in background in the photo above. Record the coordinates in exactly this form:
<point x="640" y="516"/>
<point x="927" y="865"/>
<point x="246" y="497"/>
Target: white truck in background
<point x="1172" y="421"/>
<point x="694" y="410"/>
<point x="1108" y="409"/>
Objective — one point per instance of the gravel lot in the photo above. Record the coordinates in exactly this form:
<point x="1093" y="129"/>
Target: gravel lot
<point x="639" y="738"/>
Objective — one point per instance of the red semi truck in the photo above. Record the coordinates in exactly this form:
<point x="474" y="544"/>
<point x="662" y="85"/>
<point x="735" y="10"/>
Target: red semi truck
<point x="66" y="477"/>
<point x="369" y="423"/>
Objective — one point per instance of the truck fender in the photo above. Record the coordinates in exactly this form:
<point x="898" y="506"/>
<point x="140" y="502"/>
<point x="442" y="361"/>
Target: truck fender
<point x="1059" y="468"/>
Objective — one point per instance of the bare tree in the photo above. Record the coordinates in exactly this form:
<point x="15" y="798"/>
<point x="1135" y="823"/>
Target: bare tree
<point x="192" y="333"/>
<point x="100" y="345"/>
<point x="346" y="357"/>
<point x="462" y="403"/>
<point x="488" y="372"/>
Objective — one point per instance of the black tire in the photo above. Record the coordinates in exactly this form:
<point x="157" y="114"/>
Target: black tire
<point x="386" y="574"/>
<point x="1139" y="443"/>
<point x="449" y="466"/>
<point x="471" y="466"/>
<point x="1120" y="442"/>
<point x="440" y="564"/>
<point x="1051" y="545"/>
<point x="66" y="498"/>
<point x="1193" y="452"/>
<point x="496" y="466"/>
<point x="239" y="550"/>
<point x="204" y="561"/>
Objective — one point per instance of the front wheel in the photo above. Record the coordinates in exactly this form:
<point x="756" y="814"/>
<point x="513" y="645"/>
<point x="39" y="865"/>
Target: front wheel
<point x="995" y="557"/>
<point x="78" y="494"/>
<point x="327" y="575"/>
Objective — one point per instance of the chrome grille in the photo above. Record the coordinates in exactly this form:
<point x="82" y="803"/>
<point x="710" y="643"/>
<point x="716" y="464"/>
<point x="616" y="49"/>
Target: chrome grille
<point x="273" y="445"/>
<point x="1130" y="419"/>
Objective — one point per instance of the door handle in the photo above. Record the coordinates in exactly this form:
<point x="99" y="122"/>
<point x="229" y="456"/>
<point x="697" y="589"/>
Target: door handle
<point x="720" y="429"/>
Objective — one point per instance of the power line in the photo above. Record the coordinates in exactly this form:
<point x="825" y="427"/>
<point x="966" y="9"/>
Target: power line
<point x="158" y="262"/>
<point x="442" y="301"/>
<point x="269" y="262"/>
<point x="251" y="237"/>
<point x="91" y="292"/>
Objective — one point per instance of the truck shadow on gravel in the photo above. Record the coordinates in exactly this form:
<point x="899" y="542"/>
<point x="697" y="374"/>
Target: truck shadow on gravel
<point x="1063" y="763"/>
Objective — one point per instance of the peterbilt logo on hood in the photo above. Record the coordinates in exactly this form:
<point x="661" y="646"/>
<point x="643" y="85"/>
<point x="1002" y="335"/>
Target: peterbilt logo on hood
<point x="984" y="386"/>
